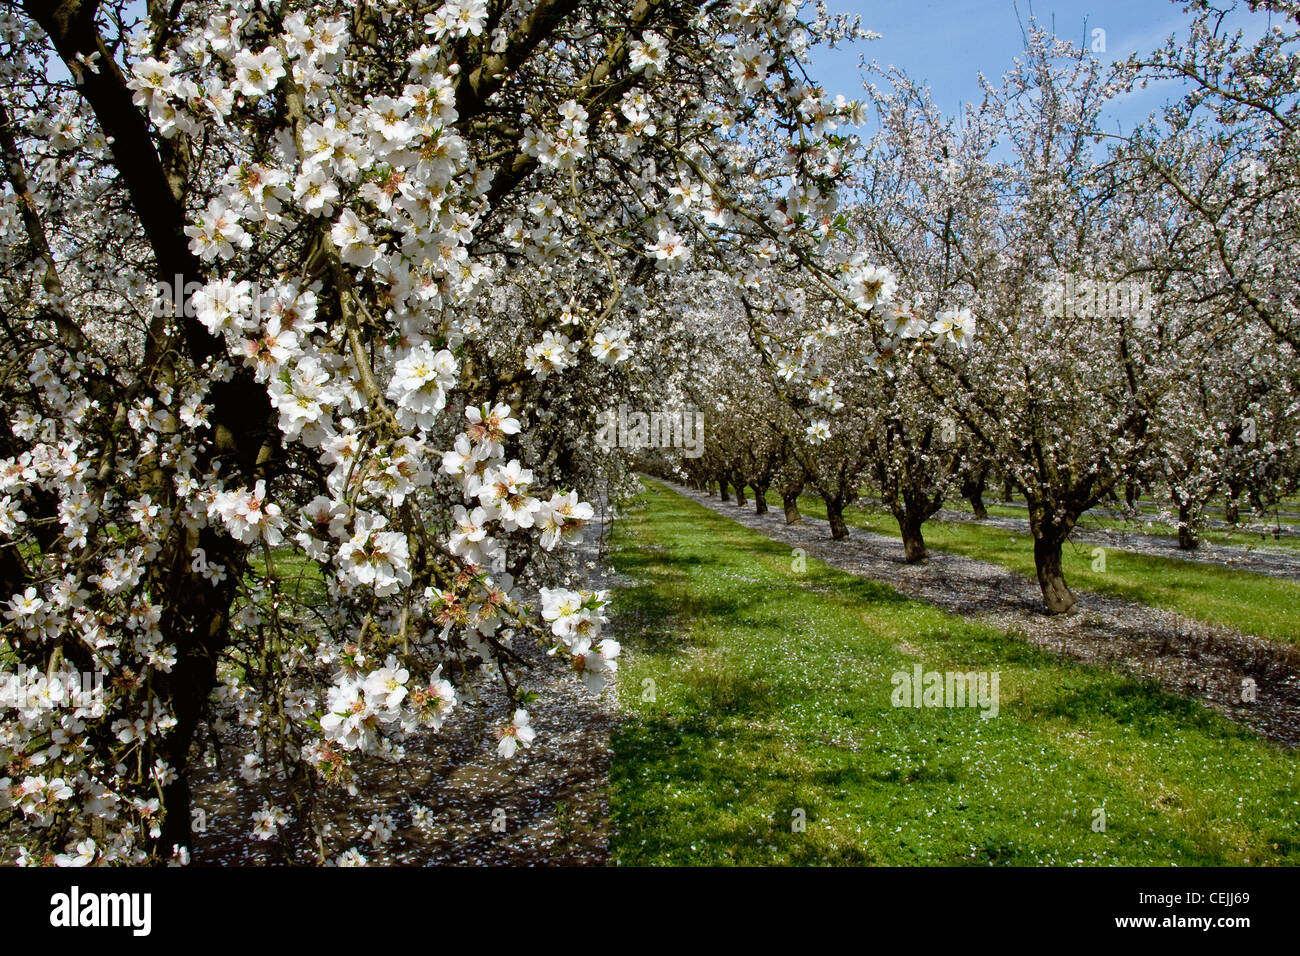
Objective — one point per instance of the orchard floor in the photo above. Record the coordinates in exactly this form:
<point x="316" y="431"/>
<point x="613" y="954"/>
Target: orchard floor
<point x="547" y="806"/>
<point x="1185" y="656"/>
<point x="758" y="725"/>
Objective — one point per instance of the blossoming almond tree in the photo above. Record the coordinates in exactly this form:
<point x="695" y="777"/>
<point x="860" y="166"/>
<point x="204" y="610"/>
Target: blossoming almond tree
<point x="1225" y="152"/>
<point x="1221" y="161"/>
<point x="1063" y="402"/>
<point x="396" y="243"/>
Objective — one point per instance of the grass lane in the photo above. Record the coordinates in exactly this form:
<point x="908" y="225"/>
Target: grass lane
<point x="755" y="691"/>
<point x="1252" y="603"/>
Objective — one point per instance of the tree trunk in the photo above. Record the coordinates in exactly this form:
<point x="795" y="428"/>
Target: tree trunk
<point x="1231" y="511"/>
<point x="1188" y="540"/>
<point x="1008" y="489"/>
<point x="913" y="540"/>
<point x="835" y="514"/>
<point x="1131" y="495"/>
<point x="790" y="502"/>
<point x="740" y="493"/>
<point x="760" y="499"/>
<point x="973" y="491"/>
<point x="197" y="627"/>
<point x="722" y="489"/>
<point x="1047" y="561"/>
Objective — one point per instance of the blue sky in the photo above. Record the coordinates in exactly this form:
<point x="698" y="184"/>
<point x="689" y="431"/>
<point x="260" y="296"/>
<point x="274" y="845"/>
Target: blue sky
<point x="947" y="43"/>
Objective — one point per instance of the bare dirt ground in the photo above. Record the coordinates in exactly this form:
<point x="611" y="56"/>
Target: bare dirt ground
<point x="549" y="804"/>
<point x="1275" y="562"/>
<point x="1187" y="657"/>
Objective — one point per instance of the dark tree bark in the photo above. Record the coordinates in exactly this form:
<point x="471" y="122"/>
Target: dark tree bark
<point x="1047" y="561"/>
<point x="740" y="492"/>
<point x="835" y="515"/>
<point x="723" y="491"/>
<point x="913" y="541"/>
<point x="1131" y="495"/>
<point x="790" y="502"/>
<point x="760" y="499"/>
<point x="1188" y="539"/>
<point x="972" y="489"/>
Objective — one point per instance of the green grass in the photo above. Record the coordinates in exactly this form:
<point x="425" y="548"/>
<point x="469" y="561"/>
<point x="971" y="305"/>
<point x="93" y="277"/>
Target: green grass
<point x="771" y="695"/>
<point x="1253" y="603"/>
<point x="299" y="576"/>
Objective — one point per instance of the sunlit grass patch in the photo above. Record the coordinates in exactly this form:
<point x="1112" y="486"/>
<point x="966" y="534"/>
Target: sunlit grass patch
<point x="760" y="729"/>
<point x="1252" y="603"/>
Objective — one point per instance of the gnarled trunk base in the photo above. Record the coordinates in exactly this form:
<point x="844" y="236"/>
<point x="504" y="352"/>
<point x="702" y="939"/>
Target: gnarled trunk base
<point x="913" y="541"/>
<point x="1047" y="561"/>
<point x="790" y="502"/>
<point x="835" y="514"/>
<point x="973" y="491"/>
